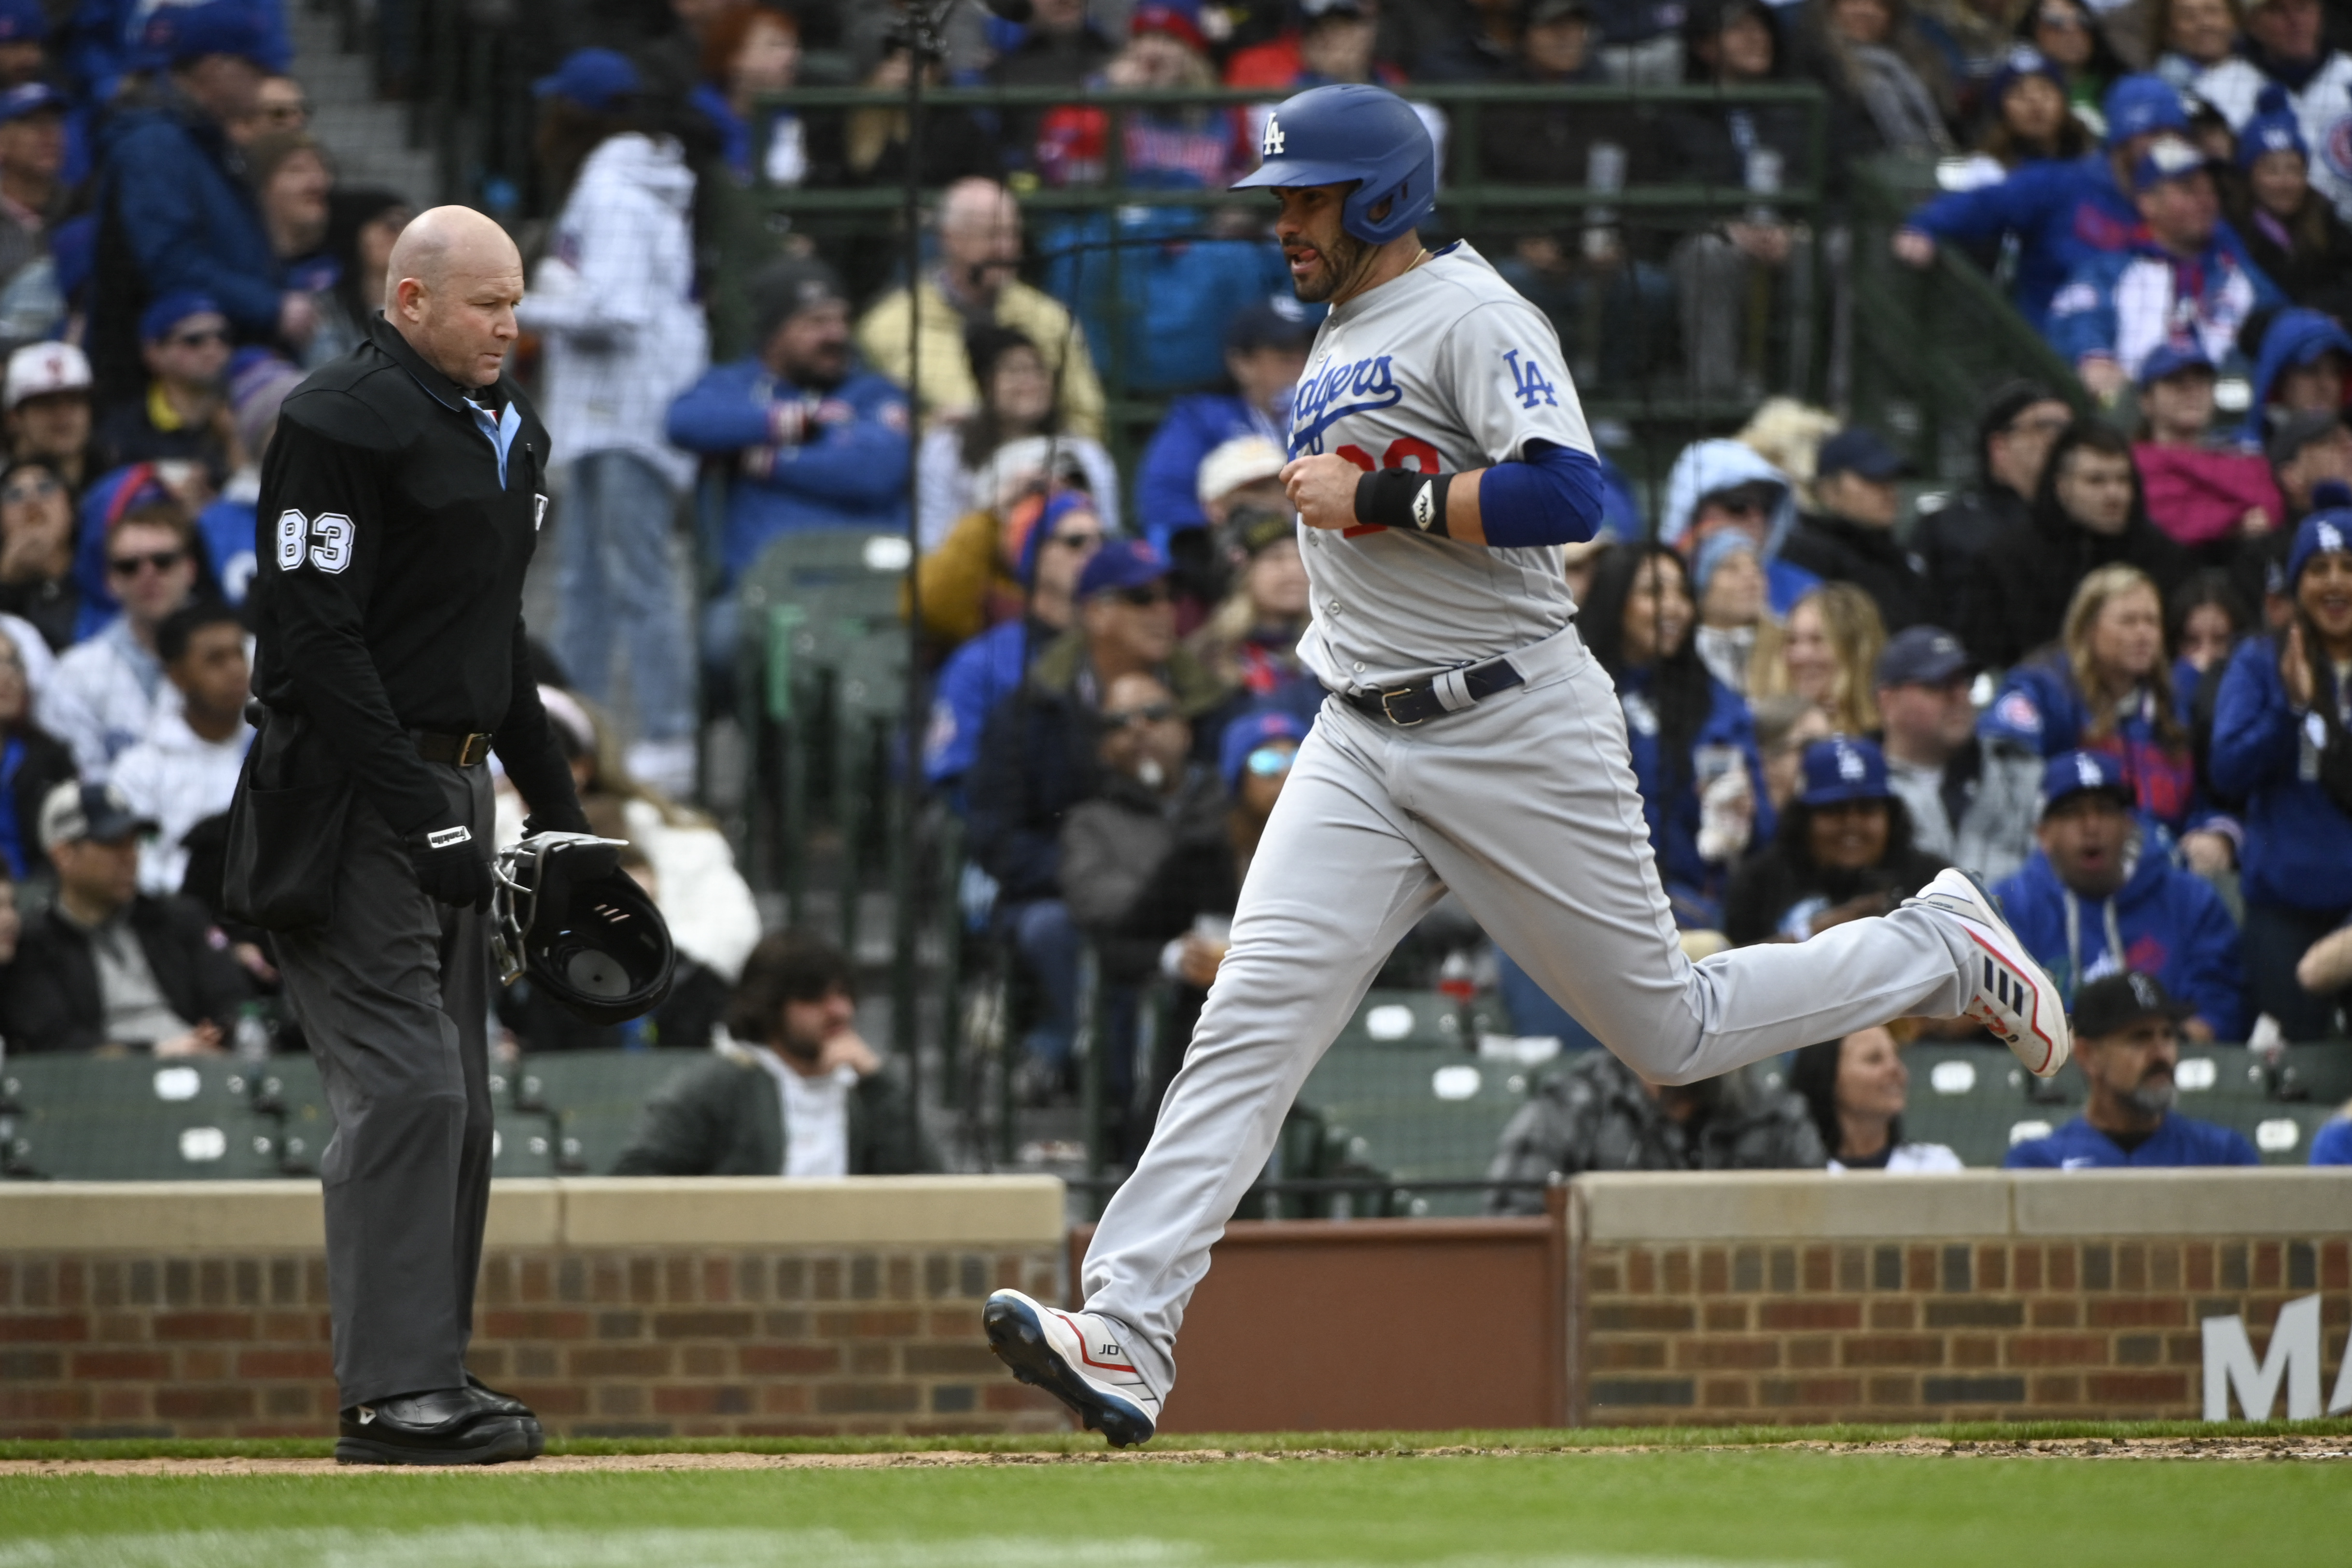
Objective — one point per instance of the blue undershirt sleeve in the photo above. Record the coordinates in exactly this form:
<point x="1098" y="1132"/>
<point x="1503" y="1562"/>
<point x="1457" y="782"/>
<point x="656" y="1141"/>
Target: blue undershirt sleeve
<point x="1552" y="496"/>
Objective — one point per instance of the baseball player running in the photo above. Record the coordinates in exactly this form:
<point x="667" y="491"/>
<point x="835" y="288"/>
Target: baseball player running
<point x="1438" y="459"/>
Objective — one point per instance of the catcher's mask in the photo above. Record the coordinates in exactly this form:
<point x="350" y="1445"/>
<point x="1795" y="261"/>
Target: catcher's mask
<point x="566" y="915"/>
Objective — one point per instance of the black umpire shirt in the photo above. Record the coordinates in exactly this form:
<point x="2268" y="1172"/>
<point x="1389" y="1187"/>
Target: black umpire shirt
<point x="398" y="511"/>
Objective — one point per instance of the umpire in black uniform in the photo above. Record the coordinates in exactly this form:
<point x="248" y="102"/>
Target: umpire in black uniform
<point x="400" y="502"/>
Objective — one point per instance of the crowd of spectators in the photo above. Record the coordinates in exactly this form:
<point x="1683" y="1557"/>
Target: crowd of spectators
<point x="2109" y="673"/>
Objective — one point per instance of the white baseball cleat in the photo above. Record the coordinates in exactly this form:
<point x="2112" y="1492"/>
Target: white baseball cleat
<point x="1076" y="1357"/>
<point x="2014" y="996"/>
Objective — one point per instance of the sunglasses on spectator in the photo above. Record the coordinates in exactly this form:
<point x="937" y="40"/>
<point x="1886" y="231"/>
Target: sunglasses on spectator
<point x="161" y="560"/>
<point x="40" y="487"/>
<point x="1143" y="598"/>
<point x="1269" y="762"/>
<point x="1149" y="713"/>
<point x="204" y="338"/>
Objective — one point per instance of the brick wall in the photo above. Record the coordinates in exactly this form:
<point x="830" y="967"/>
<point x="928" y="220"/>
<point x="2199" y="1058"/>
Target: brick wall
<point x="687" y="1340"/>
<point x="1928" y="1321"/>
<point x="1990" y="1329"/>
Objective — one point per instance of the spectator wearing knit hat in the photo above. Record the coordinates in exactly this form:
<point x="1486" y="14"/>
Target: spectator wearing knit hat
<point x="815" y="440"/>
<point x="183" y="410"/>
<point x="2283" y="744"/>
<point x="2291" y="231"/>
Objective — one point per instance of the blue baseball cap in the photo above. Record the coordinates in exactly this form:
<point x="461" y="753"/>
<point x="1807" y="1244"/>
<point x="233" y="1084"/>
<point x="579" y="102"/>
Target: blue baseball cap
<point x="23" y="22"/>
<point x="1246" y="735"/>
<point x="29" y="98"/>
<point x="1857" y="451"/>
<point x="2141" y="106"/>
<point x="1923" y="656"/>
<point x="596" y="79"/>
<point x="2325" y="530"/>
<point x="1064" y="503"/>
<point x="2170" y="359"/>
<point x="1120" y="565"/>
<point x="1843" y="768"/>
<point x="2166" y="158"/>
<point x="2071" y="773"/>
<point x="176" y="34"/>
<point x="156" y="322"/>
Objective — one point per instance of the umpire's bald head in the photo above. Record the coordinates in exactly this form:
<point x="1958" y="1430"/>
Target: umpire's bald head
<point x="451" y="290"/>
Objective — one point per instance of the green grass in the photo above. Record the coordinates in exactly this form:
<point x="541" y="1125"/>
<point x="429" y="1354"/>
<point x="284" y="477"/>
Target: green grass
<point x="1549" y="1511"/>
<point x="1538" y="1440"/>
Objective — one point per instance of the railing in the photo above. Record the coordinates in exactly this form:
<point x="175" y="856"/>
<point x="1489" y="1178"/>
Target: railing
<point x="1932" y="342"/>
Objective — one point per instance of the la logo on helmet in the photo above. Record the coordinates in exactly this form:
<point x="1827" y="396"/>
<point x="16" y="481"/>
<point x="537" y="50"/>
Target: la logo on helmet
<point x="1270" y="146"/>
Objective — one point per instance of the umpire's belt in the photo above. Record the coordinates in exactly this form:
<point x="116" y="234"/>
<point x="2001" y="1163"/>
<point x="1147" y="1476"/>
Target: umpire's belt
<point x="1405" y="706"/>
<point x="458" y="751"/>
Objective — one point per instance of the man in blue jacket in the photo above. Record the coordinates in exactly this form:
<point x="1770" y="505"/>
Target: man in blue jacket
<point x="815" y="441"/>
<point x="2128" y="1044"/>
<point x="2095" y="900"/>
<point x="175" y="215"/>
<point x="2189" y="281"/>
<point x="1265" y="353"/>
<point x="2061" y="212"/>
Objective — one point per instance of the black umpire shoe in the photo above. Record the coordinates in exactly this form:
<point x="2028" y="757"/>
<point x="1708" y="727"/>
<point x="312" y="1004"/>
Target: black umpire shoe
<point x="442" y="1427"/>
<point x="508" y="1405"/>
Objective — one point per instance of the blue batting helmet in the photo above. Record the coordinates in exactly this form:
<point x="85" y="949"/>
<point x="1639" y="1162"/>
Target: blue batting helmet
<point x="1352" y="133"/>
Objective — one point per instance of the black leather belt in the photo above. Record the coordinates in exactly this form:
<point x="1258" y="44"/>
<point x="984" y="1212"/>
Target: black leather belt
<point x="458" y="751"/>
<point x="1451" y="692"/>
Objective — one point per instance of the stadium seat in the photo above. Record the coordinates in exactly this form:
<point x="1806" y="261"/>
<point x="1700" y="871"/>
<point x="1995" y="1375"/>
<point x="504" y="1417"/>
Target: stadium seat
<point x="593" y="1098"/>
<point x="133" y="1119"/>
<point x="823" y="655"/>
<point x="1399" y="1099"/>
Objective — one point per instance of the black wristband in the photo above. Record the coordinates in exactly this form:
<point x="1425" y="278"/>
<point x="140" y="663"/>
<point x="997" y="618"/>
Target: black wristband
<point x="1403" y="497"/>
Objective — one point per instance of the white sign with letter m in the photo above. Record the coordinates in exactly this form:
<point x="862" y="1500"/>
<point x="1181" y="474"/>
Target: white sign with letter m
<point x="2293" y="1360"/>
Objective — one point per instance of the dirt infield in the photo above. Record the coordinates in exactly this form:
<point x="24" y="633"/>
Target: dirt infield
<point x="2223" y="1448"/>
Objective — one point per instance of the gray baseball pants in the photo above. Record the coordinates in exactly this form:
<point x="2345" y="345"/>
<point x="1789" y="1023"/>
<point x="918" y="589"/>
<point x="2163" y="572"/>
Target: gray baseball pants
<point x="394" y="996"/>
<point x="1525" y="805"/>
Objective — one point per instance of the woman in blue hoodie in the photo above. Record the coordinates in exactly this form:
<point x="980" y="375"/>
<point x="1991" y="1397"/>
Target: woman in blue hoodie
<point x="2283" y="741"/>
<point x="1684" y="729"/>
<point x="2104" y="686"/>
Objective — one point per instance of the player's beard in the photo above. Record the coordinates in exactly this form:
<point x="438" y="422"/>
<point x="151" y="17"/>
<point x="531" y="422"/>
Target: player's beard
<point x="1342" y="259"/>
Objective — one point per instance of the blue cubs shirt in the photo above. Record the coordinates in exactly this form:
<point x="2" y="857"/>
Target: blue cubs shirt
<point x="2180" y="1140"/>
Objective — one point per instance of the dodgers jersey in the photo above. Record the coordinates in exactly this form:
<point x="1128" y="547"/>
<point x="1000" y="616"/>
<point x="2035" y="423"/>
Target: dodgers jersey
<point x="1442" y="370"/>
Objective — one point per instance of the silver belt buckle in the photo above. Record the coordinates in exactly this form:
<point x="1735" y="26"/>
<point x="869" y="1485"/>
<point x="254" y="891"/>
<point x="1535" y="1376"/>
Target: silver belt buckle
<point x="1389" y="714"/>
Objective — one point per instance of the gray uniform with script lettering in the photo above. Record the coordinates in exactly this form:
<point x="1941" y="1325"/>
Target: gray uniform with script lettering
<point x="1446" y="368"/>
<point x="1523" y="804"/>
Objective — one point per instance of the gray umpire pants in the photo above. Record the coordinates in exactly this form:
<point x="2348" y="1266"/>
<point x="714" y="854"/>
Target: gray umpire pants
<point x="1525" y="807"/>
<point x="394" y="997"/>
